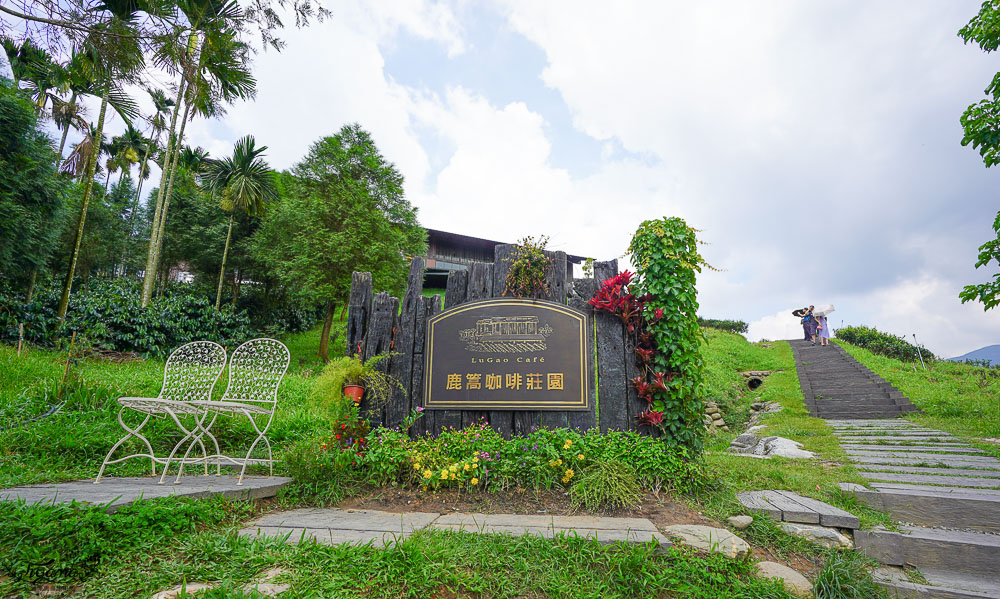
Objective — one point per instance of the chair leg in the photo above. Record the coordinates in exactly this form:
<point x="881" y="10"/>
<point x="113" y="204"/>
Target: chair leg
<point x="187" y="435"/>
<point x="260" y="435"/>
<point x="131" y="433"/>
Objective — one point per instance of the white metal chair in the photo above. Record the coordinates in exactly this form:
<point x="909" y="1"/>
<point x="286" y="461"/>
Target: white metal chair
<point x="255" y="372"/>
<point x="189" y="377"/>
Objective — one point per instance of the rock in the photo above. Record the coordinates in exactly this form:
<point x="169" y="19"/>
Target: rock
<point x="756" y="405"/>
<point x="750" y="443"/>
<point x="719" y="422"/>
<point x="758" y="428"/>
<point x="711" y="404"/>
<point x="794" y="582"/>
<point x="174" y="593"/>
<point x="771" y="407"/>
<point x="786" y="448"/>
<point x="740" y="522"/>
<point x="267" y="589"/>
<point x="725" y="428"/>
<point x="825" y="537"/>
<point x="707" y="538"/>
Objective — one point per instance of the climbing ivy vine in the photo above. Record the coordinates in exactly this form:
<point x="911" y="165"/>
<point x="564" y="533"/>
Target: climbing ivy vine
<point x="665" y="254"/>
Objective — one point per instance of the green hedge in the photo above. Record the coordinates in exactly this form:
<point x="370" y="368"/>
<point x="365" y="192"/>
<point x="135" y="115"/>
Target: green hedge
<point x="883" y="344"/>
<point x="731" y="326"/>
<point x="108" y="315"/>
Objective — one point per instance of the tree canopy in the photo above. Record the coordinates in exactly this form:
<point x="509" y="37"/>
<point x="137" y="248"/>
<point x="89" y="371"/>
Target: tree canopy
<point x="342" y="210"/>
<point x="981" y="127"/>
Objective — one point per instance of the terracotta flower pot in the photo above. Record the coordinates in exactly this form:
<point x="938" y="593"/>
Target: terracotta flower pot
<point x="355" y="392"/>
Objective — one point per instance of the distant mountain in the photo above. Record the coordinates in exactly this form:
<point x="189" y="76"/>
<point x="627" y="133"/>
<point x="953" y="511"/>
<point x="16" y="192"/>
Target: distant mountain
<point x="990" y="352"/>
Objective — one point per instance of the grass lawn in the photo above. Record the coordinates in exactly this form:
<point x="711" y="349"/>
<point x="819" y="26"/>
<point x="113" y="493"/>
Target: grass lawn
<point x="957" y="398"/>
<point x="726" y="355"/>
<point x="202" y="545"/>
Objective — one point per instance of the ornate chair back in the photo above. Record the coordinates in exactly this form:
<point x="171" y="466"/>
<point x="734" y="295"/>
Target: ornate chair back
<point x="255" y="371"/>
<point x="192" y="371"/>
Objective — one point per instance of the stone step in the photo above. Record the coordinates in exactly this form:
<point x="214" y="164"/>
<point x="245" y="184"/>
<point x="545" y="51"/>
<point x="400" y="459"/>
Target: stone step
<point x="892" y="434"/>
<point x="958" y="551"/>
<point x="899" y="440"/>
<point x="931" y="479"/>
<point x="940" y="584"/>
<point x="931" y="461"/>
<point x="921" y="456"/>
<point x="911" y="448"/>
<point x="972" y="509"/>
<point x="858" y="413"/>
<point x="930" y="470"/>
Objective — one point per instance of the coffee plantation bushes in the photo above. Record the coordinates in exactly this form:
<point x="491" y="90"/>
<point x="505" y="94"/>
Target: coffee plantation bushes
<point x="883" y="344"/>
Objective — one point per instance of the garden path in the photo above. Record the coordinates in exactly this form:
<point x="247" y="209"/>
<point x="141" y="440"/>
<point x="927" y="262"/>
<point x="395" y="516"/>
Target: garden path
<point x="118" y="492"/>
<point x="335" y="526"/>
<point x="944" y="492"/>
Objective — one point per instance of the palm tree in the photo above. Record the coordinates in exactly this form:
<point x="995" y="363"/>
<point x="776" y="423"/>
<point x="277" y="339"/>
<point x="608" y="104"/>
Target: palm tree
<point x="212" y="60"/>
<point x="244" y="183"/>
<point x="111" y="67"/>
<point x="86" y="150"/>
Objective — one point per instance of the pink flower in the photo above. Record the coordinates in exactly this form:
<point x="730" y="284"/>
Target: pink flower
<point x="420" y="409"/>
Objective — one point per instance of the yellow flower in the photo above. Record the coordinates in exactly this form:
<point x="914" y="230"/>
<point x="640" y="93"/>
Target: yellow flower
<point x="569" y="473"/>
<point x="474" y="481"/>
<point x="444" y="473"/>
<point x="466" y="467"/>
<point x="416" y="466"/>
<point x="452" y="476"/>
<point x="580" y="457"/>
<point x="424" y="487"/>
<point x="428" y="474"/>
<point x="567" y="444"/>
<point x="453" y="467"/>
<point x="474" y="466"/>
<point x="565" y="480"/>
<point x="475" y="459"/>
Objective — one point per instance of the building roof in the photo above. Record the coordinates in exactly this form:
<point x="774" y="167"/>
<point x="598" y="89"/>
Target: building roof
<point x="444" y="237"/>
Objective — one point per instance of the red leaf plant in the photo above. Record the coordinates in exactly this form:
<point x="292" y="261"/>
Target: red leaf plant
<point x="650" y="418"/>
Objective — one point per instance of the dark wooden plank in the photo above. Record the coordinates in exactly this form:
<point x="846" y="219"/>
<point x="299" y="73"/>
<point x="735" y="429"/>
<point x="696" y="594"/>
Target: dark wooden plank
<point x="791" y="510"/>
<point x="377" y="341"/>
<point x="425" y="423"/>
<point x="587" y="420"/>
<point x="401" y="366"/>
<point x="555" y="277"/>
<point x="359" y="308"/>
<point x="581" y="293"/>
<point x="456" y="288"/>
<point x="633" y="405"/>
<point x="756" y="502"/>
<point x="525" y="422"/>
<point x="480" y="288"/>
<point x="828" y="514"/>
<point x="610" y="360"/>
<point x="480" y="281"/>
<point x="501" y="420"/>
<point x="501" y="266"/>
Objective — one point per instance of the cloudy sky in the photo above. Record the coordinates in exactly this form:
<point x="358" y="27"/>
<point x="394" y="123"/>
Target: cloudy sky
<point x="816" y="145"/>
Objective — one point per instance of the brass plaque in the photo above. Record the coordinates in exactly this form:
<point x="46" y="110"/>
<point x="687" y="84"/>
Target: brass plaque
<point x="507" y="354"/>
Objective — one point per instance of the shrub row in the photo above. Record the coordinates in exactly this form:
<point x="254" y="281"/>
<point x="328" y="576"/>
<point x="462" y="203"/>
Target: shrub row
<point x="598" y="470"/>
<point x="730" y="326"/>
<point x="108" y="315"/>
<point x="883" y="344"/>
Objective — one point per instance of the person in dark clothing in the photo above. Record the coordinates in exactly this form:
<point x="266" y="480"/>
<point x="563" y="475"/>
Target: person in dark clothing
<point x="808" y="323"/>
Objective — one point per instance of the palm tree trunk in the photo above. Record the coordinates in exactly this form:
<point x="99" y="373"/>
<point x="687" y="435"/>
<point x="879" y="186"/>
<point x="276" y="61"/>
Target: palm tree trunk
<point x="324" y="342"/>
<point x="62" y="142"/>
<point x="91" y="167"/>
<point x="170" y="182"/>
<point x="135" y="206"/>
<point x="149" y="278"/>
<point x="107" y="181"/>
<point x="225" y="253"/>
<point x="31" y="283"/>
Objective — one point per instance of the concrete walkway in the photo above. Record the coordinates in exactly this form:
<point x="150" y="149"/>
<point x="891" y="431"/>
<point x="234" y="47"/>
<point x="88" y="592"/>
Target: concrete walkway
<point x="117" y="492"/>
<point x="335" y="526"/>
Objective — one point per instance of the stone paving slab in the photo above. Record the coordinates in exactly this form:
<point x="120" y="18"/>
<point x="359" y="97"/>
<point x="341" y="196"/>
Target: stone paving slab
<point x="922" y="456"/>
<point x="927" y="470"/>
<point x="862" y="461"/>
<point x="903" y="441"/>
<point x="785" y="506"/>
<point x="930" y="479"/>
<point x="382" y="529"/>
<point x="847" y="446"/>
<point x="118" y="492"/>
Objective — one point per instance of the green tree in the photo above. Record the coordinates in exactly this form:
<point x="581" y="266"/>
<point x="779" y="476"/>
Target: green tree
<point x="32" y="194"/>
<point x="243" y="183"/>
<point x="342" y="210"/>
<point x="981" y="126"/>
<point x="112" y="66"/>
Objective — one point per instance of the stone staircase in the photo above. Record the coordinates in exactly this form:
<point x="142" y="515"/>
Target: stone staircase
<point x="836" y="386"/>
<point x="946" y="497"/>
